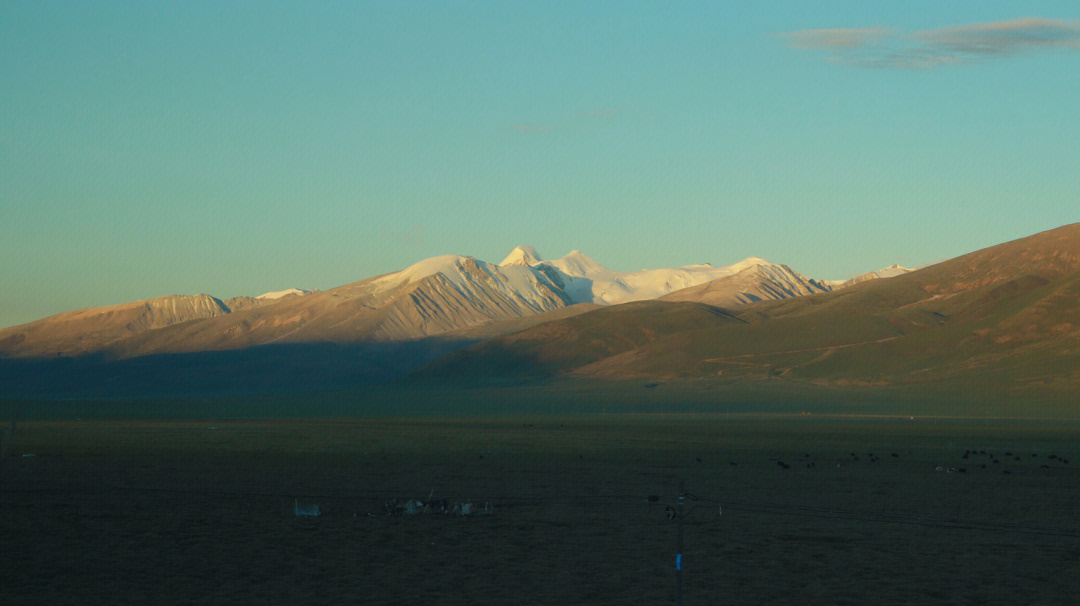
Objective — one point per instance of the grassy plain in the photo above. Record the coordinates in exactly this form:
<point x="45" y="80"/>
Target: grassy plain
<point x="200" y="511"/>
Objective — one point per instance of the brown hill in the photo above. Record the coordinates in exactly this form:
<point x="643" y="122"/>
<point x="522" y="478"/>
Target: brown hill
<point x="561" y="345"/>
<point x="89" y="330"/>
<point x="1006" y="317"/>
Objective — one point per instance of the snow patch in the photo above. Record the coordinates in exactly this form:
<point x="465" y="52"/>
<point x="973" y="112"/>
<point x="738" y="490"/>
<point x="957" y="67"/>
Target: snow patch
<point x="892" y="271"/>
<point x="589" y="282"/>
<point x="277" y="294"/>
<point x="889" y="272"/>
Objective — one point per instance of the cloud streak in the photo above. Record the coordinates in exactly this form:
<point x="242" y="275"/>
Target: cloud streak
<point x="926" y="49"/>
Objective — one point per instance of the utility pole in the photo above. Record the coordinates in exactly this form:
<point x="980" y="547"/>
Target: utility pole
<point x="680" y="514"/>
<point x="677" y="513"/>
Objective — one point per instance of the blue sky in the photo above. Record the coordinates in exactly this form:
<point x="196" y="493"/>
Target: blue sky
<point x="235" y="148"/>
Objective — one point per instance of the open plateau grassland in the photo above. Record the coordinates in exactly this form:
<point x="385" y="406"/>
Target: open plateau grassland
<point x="792" y="509"/>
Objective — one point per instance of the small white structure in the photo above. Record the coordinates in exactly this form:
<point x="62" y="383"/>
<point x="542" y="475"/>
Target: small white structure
<point x="305" y="510"/>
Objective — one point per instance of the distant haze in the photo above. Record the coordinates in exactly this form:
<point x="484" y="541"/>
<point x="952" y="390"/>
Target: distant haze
<point x="155" y="149"/>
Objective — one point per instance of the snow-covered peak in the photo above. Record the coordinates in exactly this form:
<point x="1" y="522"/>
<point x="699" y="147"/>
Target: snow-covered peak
<point x="277" y="294"/>
<point x="458" y="269"/>
<point x="521" y="255"/>
<point x="748" y="263"/>
<point x="893" y="270"/>
<point x="577" y="264"/>
<point x="588" y="281"/>
<point x="522" y="286"/>
<point x="579" y="278"/>
<point x="889" y="272"/>
<point x="447" y="265"/>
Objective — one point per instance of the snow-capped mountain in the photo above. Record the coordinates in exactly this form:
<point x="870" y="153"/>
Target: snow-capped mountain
<point x="764" y="282"/>
<point x="519" y="283"/>
<point x="586" y="281"/>
<point x="889" y="272"/>
<point x="528" y="317"/>
<point x="450" y="293"/>
<point x="521" y="255"/>
<point x="277" y="294"/>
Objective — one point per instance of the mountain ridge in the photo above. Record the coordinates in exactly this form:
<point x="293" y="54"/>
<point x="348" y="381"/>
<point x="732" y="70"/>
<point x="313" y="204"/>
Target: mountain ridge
<point x="1001" y="320"/>
<point x="443" y="294"/>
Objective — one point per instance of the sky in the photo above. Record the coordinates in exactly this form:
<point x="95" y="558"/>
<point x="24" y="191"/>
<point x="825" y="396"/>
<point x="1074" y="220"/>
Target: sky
<point x="235" y="148"/>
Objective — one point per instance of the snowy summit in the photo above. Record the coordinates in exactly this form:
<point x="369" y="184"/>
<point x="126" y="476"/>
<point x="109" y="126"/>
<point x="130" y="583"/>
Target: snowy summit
<point x="277" y="294"/>
<point x="521" y="255"/>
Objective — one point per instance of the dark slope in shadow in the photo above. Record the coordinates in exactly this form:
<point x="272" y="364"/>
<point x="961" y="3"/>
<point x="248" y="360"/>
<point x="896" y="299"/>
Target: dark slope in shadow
<point x="267" y="369"/>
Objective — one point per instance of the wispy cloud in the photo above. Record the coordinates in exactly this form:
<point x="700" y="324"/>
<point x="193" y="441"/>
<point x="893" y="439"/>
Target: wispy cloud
<point x="925" y="49"/>
<point x="811" y="39"/>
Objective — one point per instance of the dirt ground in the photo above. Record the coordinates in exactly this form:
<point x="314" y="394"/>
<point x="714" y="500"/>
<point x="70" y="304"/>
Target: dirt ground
<point x="170" y="512"/>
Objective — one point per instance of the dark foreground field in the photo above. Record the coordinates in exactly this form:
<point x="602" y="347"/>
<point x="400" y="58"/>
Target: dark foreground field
<point x="169" y="512"/>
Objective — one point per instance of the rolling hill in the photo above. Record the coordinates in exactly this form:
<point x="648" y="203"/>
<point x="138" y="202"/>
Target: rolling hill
<point x="1003" y="318"/>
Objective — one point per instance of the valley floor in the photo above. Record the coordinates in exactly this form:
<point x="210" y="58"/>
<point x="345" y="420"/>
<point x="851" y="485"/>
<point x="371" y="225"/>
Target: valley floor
<point x="791" y="509"/>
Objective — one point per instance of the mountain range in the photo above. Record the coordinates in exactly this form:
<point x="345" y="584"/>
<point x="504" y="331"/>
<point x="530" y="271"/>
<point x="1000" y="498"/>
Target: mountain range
<point x="439" y="295"/>
<point x="1004" y="319"/>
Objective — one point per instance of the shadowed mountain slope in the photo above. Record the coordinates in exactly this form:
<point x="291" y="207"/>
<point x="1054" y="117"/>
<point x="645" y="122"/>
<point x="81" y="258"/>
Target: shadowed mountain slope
<point x="559" y="345"/>
<point x="1005" y="317"/>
